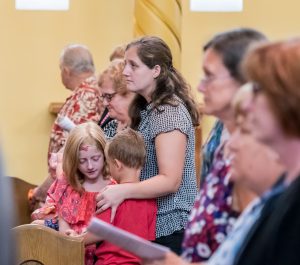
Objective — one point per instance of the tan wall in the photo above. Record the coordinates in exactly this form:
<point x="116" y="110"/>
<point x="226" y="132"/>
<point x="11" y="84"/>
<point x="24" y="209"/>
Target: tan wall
<point x="29" y="75"/>
<point x="30" y="46"/>
<point x="277" y="19"/>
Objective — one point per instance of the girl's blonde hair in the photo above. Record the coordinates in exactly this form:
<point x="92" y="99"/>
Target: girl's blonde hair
<point x="86" y="133"/>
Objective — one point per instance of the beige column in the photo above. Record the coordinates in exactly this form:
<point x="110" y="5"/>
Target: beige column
<point x="160" y="18"/>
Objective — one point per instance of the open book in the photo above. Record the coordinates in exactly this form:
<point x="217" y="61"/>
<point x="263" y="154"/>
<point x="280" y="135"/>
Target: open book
<point x="128" y="241"/>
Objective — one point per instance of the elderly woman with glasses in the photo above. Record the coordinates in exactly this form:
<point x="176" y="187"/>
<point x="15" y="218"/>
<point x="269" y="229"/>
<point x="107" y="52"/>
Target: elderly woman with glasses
<point x="220" y="200"/>
<point x="115" y="97"/>
<point x="274" y="70"/>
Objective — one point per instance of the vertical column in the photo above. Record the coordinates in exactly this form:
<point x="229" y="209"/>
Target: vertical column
<point x="161" y="18"/>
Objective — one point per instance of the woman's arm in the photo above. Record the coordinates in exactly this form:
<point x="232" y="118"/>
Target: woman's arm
<point x="170" y="151"/>
<point x="40" y="192"/>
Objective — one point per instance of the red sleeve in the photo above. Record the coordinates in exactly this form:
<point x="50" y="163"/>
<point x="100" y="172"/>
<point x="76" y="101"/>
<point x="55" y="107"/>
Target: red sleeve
<point x="56" y="190"/>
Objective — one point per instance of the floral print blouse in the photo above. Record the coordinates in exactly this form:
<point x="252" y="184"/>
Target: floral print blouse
<point x="208" y="151"/>
<point x="83" y="105"/>
<point x="212" y="216"/>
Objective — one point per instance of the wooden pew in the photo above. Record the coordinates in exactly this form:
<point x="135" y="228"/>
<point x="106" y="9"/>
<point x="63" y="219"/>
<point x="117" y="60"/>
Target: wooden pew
<point x="19" y="190"/>
<point x="37" y="244"/>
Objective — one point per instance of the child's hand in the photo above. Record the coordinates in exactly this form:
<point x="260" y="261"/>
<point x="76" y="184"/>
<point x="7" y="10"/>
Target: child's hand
<point x="84" y="231"/>
<point x="38" y="222"/>
<point x="71" y="232"/>
<point x="48" y="210"/>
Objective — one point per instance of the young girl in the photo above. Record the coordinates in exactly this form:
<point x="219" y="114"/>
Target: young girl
<point x="74" y="193"/>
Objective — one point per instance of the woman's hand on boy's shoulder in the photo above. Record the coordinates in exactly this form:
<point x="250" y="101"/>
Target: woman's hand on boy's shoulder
<point x="110" y="197"/>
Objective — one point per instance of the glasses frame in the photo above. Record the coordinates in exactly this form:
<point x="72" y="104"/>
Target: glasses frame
<point x="108" y="96"/>
<point x="208" y="80"/>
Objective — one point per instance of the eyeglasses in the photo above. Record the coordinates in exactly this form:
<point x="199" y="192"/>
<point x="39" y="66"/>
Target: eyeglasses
<point x="209" y="79"/>
<point x="108" y="96"/>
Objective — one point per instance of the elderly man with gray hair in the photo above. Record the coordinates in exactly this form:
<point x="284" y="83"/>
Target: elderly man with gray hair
<point x="84" y="103"/>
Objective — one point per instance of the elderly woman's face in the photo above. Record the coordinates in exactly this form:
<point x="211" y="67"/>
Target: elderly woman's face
<point x="218" y="86"/>
<point x="252" y="162"/>
<point x="265" y="126"/>
<point x="116" y="103"/>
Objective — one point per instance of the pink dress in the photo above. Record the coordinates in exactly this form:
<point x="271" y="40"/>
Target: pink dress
<point x="75" y="208"/>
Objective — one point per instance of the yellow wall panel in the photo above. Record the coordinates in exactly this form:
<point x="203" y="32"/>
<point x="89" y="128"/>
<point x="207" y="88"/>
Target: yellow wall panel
<point x="31" y="42"/>
<point x="277" y="19"/>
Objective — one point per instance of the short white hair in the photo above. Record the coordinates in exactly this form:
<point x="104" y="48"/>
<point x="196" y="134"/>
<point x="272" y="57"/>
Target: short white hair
<point x="77" y="58"/>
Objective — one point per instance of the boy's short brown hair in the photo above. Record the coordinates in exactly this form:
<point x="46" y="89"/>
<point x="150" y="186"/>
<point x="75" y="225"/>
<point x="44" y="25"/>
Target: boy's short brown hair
<point x="128" y="147"/>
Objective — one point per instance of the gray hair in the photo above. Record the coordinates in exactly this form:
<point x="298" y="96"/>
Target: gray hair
<point x="232" y="45"/>
<point x="78" y="59"/>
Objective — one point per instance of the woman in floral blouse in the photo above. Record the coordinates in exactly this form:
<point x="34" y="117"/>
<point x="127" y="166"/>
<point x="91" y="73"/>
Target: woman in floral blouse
<point x="216" y="208"/>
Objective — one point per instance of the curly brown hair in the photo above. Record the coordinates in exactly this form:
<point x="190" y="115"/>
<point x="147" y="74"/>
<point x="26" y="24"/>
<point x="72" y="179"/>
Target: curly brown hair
<point x="115" y="73"/>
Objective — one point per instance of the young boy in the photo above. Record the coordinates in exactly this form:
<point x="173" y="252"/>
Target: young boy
<point x="125" y="155"/>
